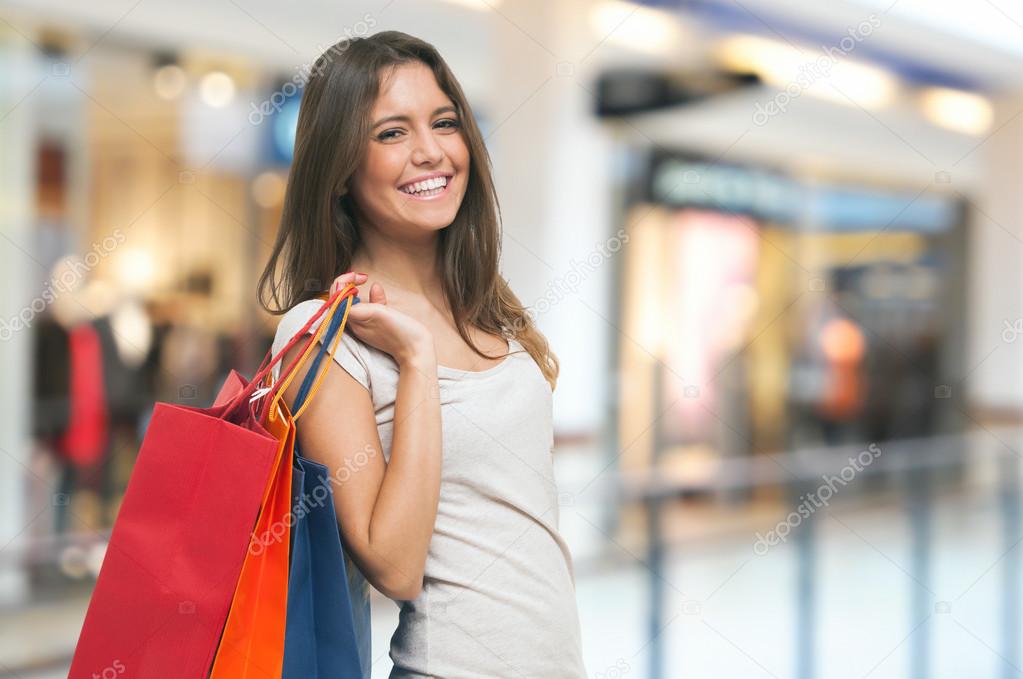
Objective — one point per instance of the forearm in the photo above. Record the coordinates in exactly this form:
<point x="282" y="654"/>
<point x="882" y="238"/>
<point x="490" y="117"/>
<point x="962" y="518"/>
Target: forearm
<point x="403" y="516"/>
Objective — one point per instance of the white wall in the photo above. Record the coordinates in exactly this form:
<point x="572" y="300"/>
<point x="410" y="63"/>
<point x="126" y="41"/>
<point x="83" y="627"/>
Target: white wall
<point x="16" y="195"/>
<point x="552" y="162"/>
<point x="995" y="288"/>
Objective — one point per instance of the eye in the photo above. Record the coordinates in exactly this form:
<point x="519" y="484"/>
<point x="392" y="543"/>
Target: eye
<point x="446" y="124"/>
<point x="387" y="134"/>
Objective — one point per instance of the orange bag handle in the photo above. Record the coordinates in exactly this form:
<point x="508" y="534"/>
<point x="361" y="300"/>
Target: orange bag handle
<point x="282" y="387"/>
<point x="268" y="383"/>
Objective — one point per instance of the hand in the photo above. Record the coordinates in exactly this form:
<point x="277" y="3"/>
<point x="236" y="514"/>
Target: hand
<point x="383" y="327"/>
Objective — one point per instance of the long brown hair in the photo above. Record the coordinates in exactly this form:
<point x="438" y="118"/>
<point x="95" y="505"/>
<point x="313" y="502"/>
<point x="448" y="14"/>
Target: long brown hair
<point x="319" y="233"/>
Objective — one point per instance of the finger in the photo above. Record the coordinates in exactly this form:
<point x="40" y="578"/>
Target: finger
<point x="361" y="312"/>
<point x="349" y="277"/>
<point x="346" y="278"/>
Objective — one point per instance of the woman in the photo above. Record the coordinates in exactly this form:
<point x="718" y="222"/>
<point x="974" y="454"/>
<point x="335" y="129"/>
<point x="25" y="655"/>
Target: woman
<point x="439" y="407"/>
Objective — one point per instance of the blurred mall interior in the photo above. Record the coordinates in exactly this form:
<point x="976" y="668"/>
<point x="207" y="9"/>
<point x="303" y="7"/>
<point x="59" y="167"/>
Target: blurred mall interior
<point x="775" y="245"/>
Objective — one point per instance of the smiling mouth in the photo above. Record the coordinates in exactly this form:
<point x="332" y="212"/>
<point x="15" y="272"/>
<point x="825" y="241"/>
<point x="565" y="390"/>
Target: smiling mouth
<point x="428" y="188"/>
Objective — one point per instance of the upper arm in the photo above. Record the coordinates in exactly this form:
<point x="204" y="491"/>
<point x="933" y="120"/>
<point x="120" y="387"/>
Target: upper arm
<point x="338" y="429"/>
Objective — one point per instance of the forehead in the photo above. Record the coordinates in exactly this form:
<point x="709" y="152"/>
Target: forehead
<point x="409" y="89"/>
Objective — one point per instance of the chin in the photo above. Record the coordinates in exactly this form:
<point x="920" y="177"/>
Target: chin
<point x="434" y="225"/>
<point x="429" y="222"/>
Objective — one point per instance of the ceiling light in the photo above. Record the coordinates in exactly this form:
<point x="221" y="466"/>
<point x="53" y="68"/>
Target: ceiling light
<point x="169" y="81"/>
<point x="958" y="110"/>
<point x="635" y="27"/>
<point x="217" y="89"/>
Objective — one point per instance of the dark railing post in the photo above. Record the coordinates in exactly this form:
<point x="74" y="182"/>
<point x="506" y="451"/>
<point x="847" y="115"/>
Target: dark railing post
<point x="655" y="538"/>
<point x="919" y="500"/>
<point x="806" y="583"/>
<point x="656" y="564"/>
<point x="1012" y="533"/>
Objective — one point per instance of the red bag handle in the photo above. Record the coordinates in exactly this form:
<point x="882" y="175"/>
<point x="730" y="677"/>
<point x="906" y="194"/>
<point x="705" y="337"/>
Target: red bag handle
<point x="331" y="304"/>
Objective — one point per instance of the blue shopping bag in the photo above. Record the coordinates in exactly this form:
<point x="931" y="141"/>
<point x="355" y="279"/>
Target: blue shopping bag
<point x="327" y="632"/>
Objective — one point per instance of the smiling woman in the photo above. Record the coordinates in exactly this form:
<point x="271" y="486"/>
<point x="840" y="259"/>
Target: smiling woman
<point x="456" y="519"/>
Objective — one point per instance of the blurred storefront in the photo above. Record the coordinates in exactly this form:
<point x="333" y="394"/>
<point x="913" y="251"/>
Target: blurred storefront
<point x="157" y="194"/>
<point x="785" y="311"/>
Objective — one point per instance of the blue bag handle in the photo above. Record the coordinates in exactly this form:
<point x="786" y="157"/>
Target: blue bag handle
<point x="358" y="588"/>
<point x="325" y="341"/>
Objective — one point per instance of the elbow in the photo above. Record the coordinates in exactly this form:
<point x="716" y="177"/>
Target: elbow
<point x="401" y="587"/>
<point x="398" y="581"/>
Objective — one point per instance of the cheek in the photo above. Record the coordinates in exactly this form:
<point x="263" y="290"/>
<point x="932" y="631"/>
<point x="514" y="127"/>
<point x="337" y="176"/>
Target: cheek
<point x="378" y="174"/>
<point x="391" y="172"/>
<point x="459" y="152"/>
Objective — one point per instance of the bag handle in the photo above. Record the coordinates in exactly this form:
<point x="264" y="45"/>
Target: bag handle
<point x="291" y="369"/>
<point x="337" y="323"/>
<point x="325" y="298"/>
<point x="246" y="394"/>
<point x="308" y="389"/>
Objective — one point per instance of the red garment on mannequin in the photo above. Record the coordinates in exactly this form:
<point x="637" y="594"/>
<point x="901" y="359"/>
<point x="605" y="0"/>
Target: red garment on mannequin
<point x="88" y="429"/>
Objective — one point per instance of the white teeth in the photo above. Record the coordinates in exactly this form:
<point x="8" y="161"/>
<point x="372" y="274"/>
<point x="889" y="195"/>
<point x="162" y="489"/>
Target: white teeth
<point x="429" y="184"/>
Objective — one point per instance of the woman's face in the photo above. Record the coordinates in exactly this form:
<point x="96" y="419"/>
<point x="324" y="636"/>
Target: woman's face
<point x="415" y="136"/>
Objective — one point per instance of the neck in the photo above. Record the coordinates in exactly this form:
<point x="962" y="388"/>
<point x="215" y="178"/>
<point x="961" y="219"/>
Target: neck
<point x="410" y="266"/>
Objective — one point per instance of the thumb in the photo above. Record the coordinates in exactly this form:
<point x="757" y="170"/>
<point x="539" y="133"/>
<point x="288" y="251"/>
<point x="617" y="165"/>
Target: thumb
<point x="376" y="294"/>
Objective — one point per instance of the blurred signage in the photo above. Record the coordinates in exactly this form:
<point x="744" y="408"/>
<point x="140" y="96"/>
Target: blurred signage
<point x="282" y="131"/>
<point x="684" y="180"/>
<point x="688" y="182"/>
<point x="629" y="91"/>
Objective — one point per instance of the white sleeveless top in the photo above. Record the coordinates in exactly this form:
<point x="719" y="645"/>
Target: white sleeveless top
<point x="498" y="597"/>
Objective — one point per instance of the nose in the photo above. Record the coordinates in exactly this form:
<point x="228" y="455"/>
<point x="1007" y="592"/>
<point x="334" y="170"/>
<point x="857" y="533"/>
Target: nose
<point x="426" y="150"/>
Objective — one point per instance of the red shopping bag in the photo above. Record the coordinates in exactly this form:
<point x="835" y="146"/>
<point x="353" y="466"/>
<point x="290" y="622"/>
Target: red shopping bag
<point x="180" y="538"/>
<point x="252" y="645"/>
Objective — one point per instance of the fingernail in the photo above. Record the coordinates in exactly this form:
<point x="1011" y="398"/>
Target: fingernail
<point x="361" y="273"/>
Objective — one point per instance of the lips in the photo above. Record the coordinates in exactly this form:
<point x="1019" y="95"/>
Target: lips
<point x="426" y="183"/>
<point x="435" y="186"/>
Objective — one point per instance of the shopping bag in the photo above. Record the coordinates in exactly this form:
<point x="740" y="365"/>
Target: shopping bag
<point x="252" y="644"/>
<point x="180" y="538"/>
<point x="324" y="634"/>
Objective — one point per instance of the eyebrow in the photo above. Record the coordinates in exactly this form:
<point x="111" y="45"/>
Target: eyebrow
<point x="404" y="118"/>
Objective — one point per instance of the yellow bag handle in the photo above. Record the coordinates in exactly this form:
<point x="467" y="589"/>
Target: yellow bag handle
<point x="324" y="322"/>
